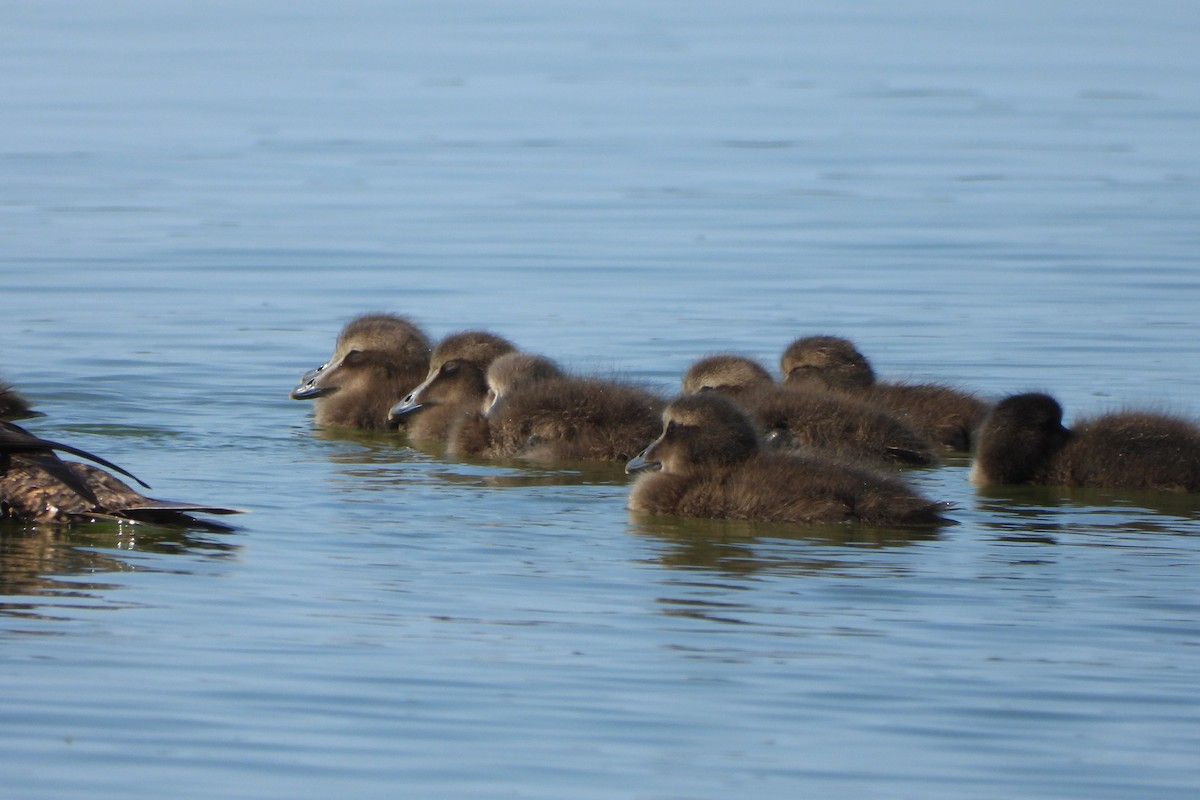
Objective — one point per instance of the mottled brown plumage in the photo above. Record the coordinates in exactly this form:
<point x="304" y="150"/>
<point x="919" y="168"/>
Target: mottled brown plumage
<point x="36" y="486"/>
<point x="539" y="413"/>
<point x="711" y="463"/>
<point x="942" y="413"/>
<point x="455" y="385"/>
<point x="1023" y="440"/>
<point x="31" y="493"/>
<point x="16" y="441"/>
<point x="810" y="418"/>
<point x="378" y="359"/>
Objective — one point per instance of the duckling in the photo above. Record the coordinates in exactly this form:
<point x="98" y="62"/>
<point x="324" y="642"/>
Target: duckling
<point x="942" y="413"/>
<point x="514" y="371"/>
<point x="36" y="486"/>
<point x="710" y="462"/>
<point x="378" y="359"/>
<point x="536" y="412"/>
<point x="1023" y="440"/>
<point x="471" y="433"/>
<point x="13" y="405"/>
<point x="455" y="385"/>
<point x="831" y="423"/>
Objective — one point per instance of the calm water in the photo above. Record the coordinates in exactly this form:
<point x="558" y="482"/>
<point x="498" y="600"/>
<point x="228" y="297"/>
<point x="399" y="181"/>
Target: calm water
<point x="194" y="200"/>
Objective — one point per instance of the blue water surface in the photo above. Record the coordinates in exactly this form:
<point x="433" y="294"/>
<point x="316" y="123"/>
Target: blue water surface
<point x="195" y="198"/>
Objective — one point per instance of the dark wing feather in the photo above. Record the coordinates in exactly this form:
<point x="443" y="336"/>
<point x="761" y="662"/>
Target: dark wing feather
<point x="15" y="439"/>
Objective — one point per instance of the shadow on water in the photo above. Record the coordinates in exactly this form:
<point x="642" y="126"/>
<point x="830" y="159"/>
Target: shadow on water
<point x="43" y="561"/>
<point x="741" y="548"/>
<point x="390" y="457"/>
<point x="1039" y="513"/>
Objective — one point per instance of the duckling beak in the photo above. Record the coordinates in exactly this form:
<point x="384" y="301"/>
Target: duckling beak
<point x="411" y="404"/>
<point x="491" y="406"/>
<point x="312" y="374"/>
<point x="640" y="463"/>
<point x="405" y="407"/>
<point x="308" y="389"/>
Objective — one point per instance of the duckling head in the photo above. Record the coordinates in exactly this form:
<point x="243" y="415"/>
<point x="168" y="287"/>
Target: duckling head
<point x="699" y="430"/>
<point x="512" y="371"/>
<point x="371" y="349"/>
<point x="830" y="361"/>
<point x="1020" y="435"/>
<point x="456" y="372"/>
<point x="726" y="373"/>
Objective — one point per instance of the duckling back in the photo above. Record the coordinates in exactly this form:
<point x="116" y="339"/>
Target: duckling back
<point x="839" y="426"/>
<point x="810" y="419"/>
<point x="943" y="414"/>
<point x="537" y="412"/>
<point x="573" y="419"/>
<point x="786" y="487"/>
<point x="1132" y="449"/>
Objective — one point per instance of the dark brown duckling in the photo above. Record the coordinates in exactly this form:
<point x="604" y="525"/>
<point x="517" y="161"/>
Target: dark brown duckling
<point x="378" y="359"/>
<point x="831" y="423"/>
<point x="455" y="386"/>
<point x="947" y="415"/>
<point x="1023" y="440"/>
<point x="537" y="412"/>
<point x="710" y="463"/>
<point x="13" y="405"/>
<point x="36" y="486"/>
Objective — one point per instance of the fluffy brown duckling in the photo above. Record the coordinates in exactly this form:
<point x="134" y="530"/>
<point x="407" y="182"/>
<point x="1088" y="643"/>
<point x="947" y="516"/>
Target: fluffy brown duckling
<point x="13" y="405"/>
<point x="813" y="419"/>
<point x="37" y="486"/>
<point x="378" y="359"/>
<point x="455" y="385"/>
<point x="710" y="463"/>
<point x="1023" y="440"/>
<point x="535" y="411"/>
<point x="947" y="415"/>
<point x="512" y="372"/>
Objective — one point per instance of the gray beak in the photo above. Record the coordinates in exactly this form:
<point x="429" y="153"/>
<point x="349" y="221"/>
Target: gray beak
<point x="308" y="388"/>
<point x="640" y="463"/>
<point x="405" y="407"/>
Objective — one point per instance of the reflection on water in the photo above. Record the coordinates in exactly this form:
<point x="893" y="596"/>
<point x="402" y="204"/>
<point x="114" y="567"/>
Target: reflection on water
<point x="744" y="548"/>
<point x="1039" y="512"/>
<point x="391" y="458"/>
<point x="46" y="561"/>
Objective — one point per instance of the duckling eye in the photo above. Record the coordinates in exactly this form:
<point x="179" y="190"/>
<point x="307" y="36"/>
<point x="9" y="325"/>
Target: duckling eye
<point x="450" y="367"/>
<point x="707" y="388"/>
<point x="353" y="358"/>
